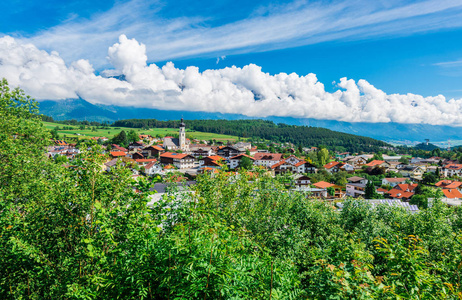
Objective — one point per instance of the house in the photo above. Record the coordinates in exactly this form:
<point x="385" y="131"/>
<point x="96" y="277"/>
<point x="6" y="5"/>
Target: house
<point x="153" y="168"/>
<point x="396" y="165"/>
<point x="145" y="161"/>
<point x="243" y="146"/>
<point x="153" y="151"/>
<point x="356" y="186"/>
<point x="449" y="184"/>
<point x="338" y="193"/>
<point x="451" y="189"/>
<point x="267" y="159"/>
<point x="333" y="167"/>
<point x="452" y="194"/>
<point x="302" y="180"/>
<point x="228" y="151"/>
<point x="312" y="192"/>
<point x="402" y="191"/>
<point x="450" y="170"/>
<point x="355" y="161"/>
<point x="198" y="150"/>
<point x="118" y="148"/>
<point x="357" y="179"/>
<point x="213" y="161"/>
<point x="137" y="155"/>
<point x="291" y="164"/>
<point x="135" y="146"/>
<point x="235" y="161"/>
<point x="410" y="171"/>
<point x="393" y="181"/>
<point x="179" y="160"/>
<point x="389" y="159"/>
<point x="347" y="168"/>
<point x="116" y="154"/>
<point x="378" y="163"/>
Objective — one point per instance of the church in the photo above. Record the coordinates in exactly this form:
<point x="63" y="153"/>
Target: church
<point x="180" y="143"/>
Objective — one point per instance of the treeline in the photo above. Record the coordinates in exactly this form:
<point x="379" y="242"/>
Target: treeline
<point x="73" y="122"/>
<point x="268" y="130"/>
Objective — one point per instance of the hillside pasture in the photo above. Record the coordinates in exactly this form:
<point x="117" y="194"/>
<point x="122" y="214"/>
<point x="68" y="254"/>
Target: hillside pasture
<point x="109" y="132"/>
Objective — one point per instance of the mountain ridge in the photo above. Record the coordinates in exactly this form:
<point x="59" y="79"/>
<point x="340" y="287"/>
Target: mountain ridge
<point x="81" y="109"/>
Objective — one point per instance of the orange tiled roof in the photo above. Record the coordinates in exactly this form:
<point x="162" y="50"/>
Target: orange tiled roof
<point x="140" y="160"/>
<point x="331" y="164"/>
<point x="215" y="157"/>
<point x="118" y="153"/>
<point x="174" y="155"/>
<point x="323" y="184"/>
<point x="453" y="166"/>
<point x="375" y="163"/>
<point x="448" y="184"/>
<point x="452" y="193"/>
<point x="240" y="155"/>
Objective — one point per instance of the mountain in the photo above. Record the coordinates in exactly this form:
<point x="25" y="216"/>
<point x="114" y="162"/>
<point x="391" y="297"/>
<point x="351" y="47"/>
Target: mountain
<point x="79" y="109"/>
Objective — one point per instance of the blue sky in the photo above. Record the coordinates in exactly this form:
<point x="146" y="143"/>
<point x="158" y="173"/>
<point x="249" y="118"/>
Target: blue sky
<point x="398" y="46"/>
<point x="401" y="61"/>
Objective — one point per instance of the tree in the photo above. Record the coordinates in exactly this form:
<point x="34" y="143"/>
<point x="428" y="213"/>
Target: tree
<point x="404" y="160"/>
<point x="429" y="178"/>
<point x="323" y="156"/>
<point x="54" y="133"/>
<point x="120" y="139"/>
<point x="246" y="163"/>
<point x="377" y="156"/>
<point x="132" y="136"/>
<point x="370" y="192"/>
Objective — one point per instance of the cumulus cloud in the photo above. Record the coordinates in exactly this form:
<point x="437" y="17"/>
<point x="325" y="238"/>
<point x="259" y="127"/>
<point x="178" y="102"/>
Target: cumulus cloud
<point x="247" y="90"/>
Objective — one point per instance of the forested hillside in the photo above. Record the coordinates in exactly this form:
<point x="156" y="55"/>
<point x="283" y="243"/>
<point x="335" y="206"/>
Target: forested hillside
<point x="267" y="130"/>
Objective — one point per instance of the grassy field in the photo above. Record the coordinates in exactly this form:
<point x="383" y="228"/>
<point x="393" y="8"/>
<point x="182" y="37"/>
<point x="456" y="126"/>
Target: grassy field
<point x="111" y="131"/>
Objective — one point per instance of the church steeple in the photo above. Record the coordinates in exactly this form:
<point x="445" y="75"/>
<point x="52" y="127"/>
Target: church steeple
<point x="182" y="136"/>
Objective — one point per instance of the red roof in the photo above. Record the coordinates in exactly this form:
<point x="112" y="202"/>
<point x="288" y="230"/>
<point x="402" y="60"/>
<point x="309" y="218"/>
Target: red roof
<point x="268" y="156"/>
<point x="215" y="157"/>
<point x="140" y="160"/>
<point x="241" y="156"/>
<point x="453" y="166"/>
<point x="448" y="184"/>
<point x="174" y="155"/>
<point x="395" y="193"/>
<point x="382" y="190"/>
<point x="158" y="148"/>
<point x="300" y="163"/>
<point x="119" y="148"/>
<point x="452" y="193"/>
<point x="150" y="165"/>
<point x="331" y="164"/>
<point x="323" y="184"/>
<point x="118" y="153"/>
<point x="375" y="163"/>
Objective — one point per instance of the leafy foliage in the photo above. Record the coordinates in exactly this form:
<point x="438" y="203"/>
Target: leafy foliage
<point x="80" y="233"/>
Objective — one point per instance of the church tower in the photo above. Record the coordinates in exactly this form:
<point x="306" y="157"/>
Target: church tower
<point x="182" y="137"/>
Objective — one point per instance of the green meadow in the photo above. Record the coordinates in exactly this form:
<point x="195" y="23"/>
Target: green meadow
<point x="109" y="132"/>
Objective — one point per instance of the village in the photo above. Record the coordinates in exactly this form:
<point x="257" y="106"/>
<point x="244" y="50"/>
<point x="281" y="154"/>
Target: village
<point x="410" y="182"/>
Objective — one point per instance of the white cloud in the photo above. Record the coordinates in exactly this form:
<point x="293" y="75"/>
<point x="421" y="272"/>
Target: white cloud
<point x="267" y="28"/>
<point x="247" y="90"/>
